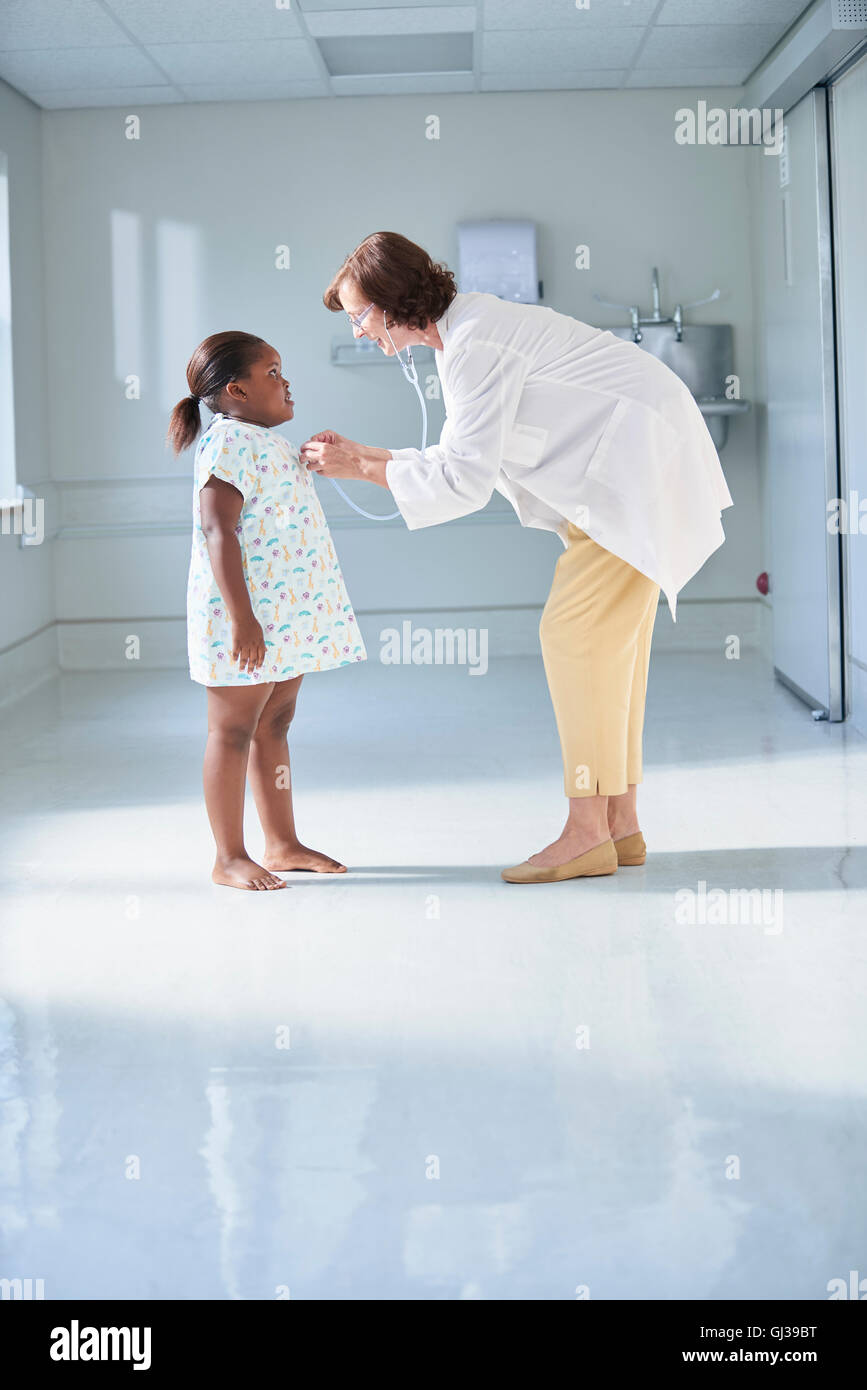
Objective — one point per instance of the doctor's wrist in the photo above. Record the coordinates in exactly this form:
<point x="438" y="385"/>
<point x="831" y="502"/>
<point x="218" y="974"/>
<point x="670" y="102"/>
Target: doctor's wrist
<point x="372" y="464"/>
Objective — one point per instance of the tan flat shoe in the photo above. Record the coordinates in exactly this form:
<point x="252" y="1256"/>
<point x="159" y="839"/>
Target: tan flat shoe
<point x="631" y="849"/>
<point x="601" y="859"/>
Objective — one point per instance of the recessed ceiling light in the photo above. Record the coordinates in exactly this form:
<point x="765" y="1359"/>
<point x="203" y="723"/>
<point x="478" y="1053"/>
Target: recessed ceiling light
<point x="369" y="55"/>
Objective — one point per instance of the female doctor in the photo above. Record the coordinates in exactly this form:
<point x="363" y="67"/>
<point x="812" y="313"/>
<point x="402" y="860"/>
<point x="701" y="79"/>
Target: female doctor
<point x="586" y="435"/>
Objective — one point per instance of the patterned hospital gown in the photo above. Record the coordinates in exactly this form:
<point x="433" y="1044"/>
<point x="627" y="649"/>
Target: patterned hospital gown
<point x="292" y="573"/>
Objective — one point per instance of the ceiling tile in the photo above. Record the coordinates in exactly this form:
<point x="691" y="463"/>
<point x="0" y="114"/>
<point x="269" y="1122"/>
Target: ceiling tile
<point x="776" y="12"/>
<point x="562" y="14"/>
<point x="318" y="6"/>
<point x="51" y="24"/>
<point x="65" y="53"/>
<point x="552" y="81"/>
<point x="129" y="98"/>
<point x="49" y="69"/>
<point x="203" y="21"/>
<point x="705" y="46"/>
<point x="400" y="84"/>
<point x="703" y="78"/>
<point x="275" y="60"/>
<point x="542" y="49"/>
<point x="426" y="19"/>
<point x="268" y="91"/>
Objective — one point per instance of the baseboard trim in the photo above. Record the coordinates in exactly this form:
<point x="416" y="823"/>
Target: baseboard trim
<point x="28" y="663"/>
<point x="857" y="694"/>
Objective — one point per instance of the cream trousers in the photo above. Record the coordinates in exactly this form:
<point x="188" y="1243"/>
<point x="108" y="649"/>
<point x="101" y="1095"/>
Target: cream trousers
<point x="595" y="632"/>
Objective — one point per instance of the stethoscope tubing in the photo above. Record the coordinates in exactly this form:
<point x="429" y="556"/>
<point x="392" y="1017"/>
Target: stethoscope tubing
<point x="410" y="372"/>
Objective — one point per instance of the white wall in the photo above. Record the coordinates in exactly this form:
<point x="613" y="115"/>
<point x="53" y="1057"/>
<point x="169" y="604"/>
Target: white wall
<point x="27" y="641"/>
<point x="198" y="205"/>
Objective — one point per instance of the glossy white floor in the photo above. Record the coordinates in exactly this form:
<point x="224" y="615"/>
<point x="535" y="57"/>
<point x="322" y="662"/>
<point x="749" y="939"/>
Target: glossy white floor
<point x="490" y="1091"/>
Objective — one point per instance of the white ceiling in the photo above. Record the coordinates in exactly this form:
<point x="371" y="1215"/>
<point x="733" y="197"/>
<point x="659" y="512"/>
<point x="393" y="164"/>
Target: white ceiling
<point x="70" y="53"/>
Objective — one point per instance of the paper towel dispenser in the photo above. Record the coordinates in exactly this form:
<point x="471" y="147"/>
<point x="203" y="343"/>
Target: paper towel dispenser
<point x="499" y="257"/>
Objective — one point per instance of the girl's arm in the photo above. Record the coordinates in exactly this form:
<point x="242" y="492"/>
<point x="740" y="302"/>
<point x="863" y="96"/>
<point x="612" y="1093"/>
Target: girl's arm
<point x="220" y="506"/>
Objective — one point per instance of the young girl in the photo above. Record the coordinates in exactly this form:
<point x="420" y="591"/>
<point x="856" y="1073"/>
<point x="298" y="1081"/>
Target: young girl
<point x="266" y="600"/>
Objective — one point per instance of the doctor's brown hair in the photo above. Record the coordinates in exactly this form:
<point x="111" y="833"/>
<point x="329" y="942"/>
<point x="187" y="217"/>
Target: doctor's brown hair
<point x="397" y="276"/>
<point x="222" y="358"/>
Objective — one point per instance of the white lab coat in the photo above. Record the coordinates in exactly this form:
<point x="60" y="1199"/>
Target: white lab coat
<point x="570" y="423"/>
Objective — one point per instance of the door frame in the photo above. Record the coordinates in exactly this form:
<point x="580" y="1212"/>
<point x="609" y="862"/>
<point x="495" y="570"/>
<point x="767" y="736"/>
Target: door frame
<point x="839" y="361"/>
<point x="835" y="711"/>
<point x="828" y="292"/>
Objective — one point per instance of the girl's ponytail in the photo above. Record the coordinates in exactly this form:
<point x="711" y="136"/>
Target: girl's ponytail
<point x="185" y="424"/>
<point x="222" y="358"/>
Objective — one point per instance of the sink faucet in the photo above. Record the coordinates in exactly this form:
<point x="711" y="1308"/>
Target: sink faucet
<point x="656" y="297"/>
<point x="634" y="310"/>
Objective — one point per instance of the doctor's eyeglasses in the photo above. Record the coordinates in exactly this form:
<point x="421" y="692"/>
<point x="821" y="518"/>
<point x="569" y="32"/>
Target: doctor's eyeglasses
<point x="358" y="320"/>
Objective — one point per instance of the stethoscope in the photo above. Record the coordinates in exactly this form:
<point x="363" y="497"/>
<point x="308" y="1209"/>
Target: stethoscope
<point x="409" y="370"/>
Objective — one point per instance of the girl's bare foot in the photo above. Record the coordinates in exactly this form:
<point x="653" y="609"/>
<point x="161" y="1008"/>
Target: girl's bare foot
<point x="245" y="873"/>
<point x="289" y="859"/>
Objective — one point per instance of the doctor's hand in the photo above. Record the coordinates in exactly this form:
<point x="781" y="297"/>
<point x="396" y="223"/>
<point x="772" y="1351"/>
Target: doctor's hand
<point x="333" y="455"/>
<point x="326" y="437"/>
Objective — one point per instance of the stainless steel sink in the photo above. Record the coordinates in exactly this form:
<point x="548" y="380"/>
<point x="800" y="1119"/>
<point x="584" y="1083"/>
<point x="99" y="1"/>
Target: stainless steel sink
<point x="703" y="357"/>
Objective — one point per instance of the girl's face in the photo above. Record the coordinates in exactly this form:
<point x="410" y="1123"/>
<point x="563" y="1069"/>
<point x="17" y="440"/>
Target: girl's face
<point x="262" y="396"/>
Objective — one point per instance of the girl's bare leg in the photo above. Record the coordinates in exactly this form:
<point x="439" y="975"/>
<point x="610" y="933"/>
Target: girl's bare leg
<point x="233" y="713"/>
<point x="272" y="787"/>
